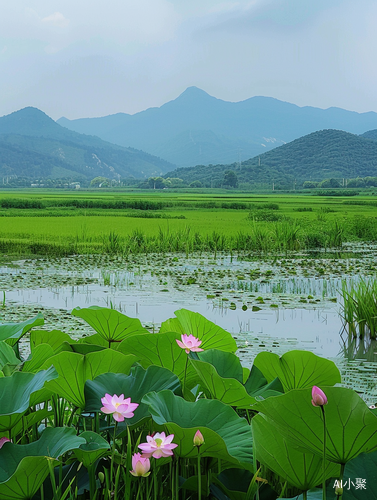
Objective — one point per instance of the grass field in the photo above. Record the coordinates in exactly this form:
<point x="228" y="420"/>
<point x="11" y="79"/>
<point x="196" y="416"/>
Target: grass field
<point x="47" y="222"/>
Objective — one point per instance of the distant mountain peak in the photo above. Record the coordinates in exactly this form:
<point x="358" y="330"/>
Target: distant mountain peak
<point x="195" y="93"/>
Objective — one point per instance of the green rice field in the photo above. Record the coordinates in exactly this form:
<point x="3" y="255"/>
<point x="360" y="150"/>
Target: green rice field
<point x="65" y="223"/>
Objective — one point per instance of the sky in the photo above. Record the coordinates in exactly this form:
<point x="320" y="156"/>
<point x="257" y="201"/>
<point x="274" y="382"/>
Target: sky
<point x="81" y="58"/>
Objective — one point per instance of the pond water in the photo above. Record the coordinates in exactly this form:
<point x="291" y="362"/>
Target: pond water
<point x="274" y="304"/>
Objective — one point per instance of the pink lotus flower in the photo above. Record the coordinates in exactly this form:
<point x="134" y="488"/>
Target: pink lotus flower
<point x="4" y="440"/>
<point x="140" y="465"/>
<point x="319" y="397"/>
<point x="189" y="343"/>
<point x="158" y="446"/>
<point x="198" y="439"/>
<point x="120" y="408"/>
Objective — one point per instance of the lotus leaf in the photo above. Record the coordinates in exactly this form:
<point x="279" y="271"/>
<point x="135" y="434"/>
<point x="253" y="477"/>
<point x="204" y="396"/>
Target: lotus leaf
<point x="226" y="435"/>
<point x="112" y="325"/>
<point x="133" y="386"/>
<point x="159" y="350"/>
<point x="191" y="323"/>
<point x="303" y="470"/>
<point x="23" y="468"/>
<point x="351" y="426"/>
<point x="12" y="332"/>
<point x="15" y="392"/>
<point x="74" y="370"/>
<point x="94" y="448"/>
<point x="297" y="369"/>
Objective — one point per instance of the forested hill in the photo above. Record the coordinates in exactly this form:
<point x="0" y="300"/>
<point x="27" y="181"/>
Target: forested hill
<point x="317" y="156"/>
<point x="371" y="134"/>
<point x="33" y="145"/>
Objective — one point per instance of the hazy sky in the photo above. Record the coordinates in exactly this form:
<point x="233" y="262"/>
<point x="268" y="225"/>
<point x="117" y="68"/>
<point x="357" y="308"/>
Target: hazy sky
<point x="81" y="58"/>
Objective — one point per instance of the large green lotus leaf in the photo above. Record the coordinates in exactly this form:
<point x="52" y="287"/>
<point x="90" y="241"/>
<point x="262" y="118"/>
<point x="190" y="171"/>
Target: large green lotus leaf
<point x="228" y="389"/>
<point x="227" y="365"/>
<point x="7" y="355"/>
<point x="298" y="369"/>
<point x="23" y="468"/>
<point x="96" y="339"/>
<point x="191" y="323"/>
<point x="160" y="350"/>
<point x="12" y="332"/>
<point x="351" y="426"/>
<point x="94" y="448"/>
<point x="54" y="442"/>
<point x="109" y="323"/>
<point x="86" y="348"/>
<point x="226" y="435"/>
<point x="37" y="358"/>
<point x="256" y="385"/>
<point x="26" y="480"/>
<point x="133" y="386"/>
<point x="363" y="467"/>
<point x="74" y="370"/>
<point x="54" y="338"/>
<point x="303" y="470"/>
<point x="15" y="392"/>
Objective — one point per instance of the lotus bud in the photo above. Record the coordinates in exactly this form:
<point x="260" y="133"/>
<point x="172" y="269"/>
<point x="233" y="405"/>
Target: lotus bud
<point x="198" y="439"/>
<point x="318" y="397"/>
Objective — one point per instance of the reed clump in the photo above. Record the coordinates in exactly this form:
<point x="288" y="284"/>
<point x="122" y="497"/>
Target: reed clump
<point x="359" y="308"/>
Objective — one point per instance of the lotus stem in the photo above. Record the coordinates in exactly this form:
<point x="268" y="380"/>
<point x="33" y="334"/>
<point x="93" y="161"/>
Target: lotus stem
<point x="324" y="456"/>
<point x="199" y="477"/>
<point x="184" y="378"/>
<point x="113" y="455"/>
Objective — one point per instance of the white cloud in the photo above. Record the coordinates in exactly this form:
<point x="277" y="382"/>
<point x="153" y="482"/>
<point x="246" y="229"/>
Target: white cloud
<point x="56" y="19"/>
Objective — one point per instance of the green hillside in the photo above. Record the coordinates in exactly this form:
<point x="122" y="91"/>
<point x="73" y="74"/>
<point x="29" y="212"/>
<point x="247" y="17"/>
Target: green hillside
<point x="371" y="134"/>
<point x="317" y="156"/>
<point x="33" y="145"/>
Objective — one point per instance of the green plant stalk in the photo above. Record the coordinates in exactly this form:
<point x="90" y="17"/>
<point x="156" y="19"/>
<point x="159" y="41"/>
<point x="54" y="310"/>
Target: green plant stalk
<point x="112" y="458"/>
<point x="199" y="477"/>
<point x="92" y="479"/>
<point x="116" y="487"/>
<point x="324" y="456"/>
<point x="184" y="377"/>
<point x="177" y="479"/>
<point x="342" y="466"/>
<point x="155" y="485"/>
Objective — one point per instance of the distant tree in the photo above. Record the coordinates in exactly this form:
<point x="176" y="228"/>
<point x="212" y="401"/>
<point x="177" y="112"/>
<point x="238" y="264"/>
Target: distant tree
<point x="371" y="181"/>
<point x="310" y="184"/>
<point x="329" y="183"/>
<point x="230" y="179"/>
<point x="175" y="182"/>
<point x="196" y="184"/>
<point x="156" y="182"/>
<point x="100" y="182"/>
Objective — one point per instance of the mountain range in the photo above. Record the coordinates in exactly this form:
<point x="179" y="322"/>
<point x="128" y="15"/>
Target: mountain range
<point x="33" y="145"/>
<point x="196" y="128"/>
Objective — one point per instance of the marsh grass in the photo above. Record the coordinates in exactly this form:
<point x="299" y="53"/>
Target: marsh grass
<point x="359" y="308"/>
